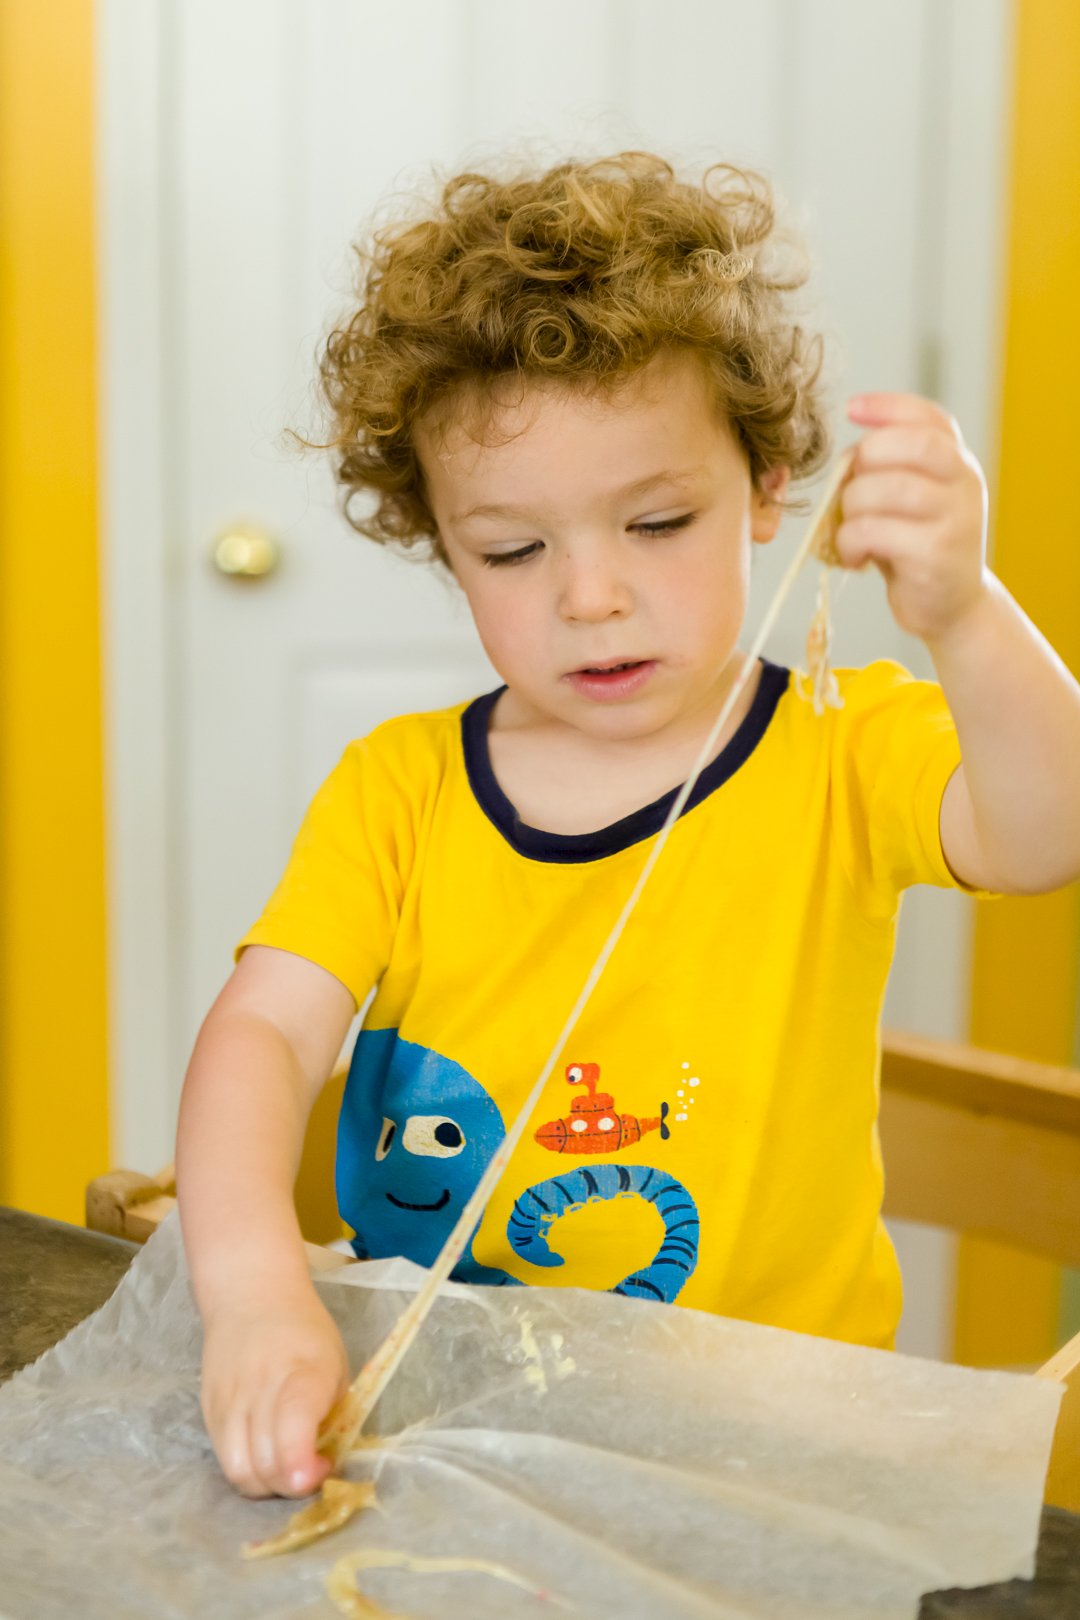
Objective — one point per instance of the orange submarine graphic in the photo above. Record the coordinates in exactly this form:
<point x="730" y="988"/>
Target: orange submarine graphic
<point x="592" y="1125"/>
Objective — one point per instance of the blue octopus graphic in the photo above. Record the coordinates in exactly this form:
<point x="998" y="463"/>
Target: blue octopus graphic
<point x="415" y="1133"/>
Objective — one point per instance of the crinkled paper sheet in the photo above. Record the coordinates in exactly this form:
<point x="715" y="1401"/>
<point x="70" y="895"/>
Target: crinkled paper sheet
<point x="634" y="1460"/>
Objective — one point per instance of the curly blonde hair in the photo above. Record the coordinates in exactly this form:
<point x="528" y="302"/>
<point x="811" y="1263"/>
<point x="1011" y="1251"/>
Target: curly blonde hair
<point x="579" y="275"/>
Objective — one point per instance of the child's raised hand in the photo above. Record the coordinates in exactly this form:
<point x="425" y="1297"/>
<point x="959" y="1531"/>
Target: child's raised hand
<point x="272" y="1368"/>
<point x="915" y="505"/>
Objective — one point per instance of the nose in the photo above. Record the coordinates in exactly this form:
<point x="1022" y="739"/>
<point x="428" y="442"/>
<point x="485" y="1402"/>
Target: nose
<point x="592" y="588"/>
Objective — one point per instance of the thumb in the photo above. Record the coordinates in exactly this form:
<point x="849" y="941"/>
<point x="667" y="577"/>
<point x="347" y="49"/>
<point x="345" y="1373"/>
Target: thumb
<point x="305" y="1397"/>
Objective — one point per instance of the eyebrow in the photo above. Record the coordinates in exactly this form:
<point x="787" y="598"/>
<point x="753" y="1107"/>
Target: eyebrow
<point x="640" y="486"/>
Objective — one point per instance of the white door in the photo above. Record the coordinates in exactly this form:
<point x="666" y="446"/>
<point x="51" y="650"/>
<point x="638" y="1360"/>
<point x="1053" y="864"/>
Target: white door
<point x="292" y="122"/>
<point x="244" y="144"/>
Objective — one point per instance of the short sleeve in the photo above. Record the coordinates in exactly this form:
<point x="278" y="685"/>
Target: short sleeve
<point x="339" y="898"/>
<point x="894" y="749"/>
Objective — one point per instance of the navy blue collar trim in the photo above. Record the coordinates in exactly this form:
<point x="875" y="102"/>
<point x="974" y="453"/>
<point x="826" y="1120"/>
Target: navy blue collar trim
<point x="591" y="846"/>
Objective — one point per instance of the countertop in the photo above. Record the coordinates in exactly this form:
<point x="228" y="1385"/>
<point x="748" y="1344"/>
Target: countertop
<point x="52" y="1275"/>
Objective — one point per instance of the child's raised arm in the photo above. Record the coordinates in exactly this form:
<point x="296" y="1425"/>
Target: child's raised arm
<point x="273" y="1361"/>
<point x="916" y="506"/>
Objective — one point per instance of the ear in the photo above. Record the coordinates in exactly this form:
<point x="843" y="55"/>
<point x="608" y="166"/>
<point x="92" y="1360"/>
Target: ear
<point x="765" y="508"/>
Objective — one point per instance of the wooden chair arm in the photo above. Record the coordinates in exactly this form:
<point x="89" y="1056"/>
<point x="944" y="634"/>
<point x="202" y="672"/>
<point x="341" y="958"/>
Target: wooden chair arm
<point x="982" y="1143"/>
<point x="125" y="1204"/>
<point x="962" y="1076"/>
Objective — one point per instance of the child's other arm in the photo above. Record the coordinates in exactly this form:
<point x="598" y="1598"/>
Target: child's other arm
<point x="273" y="1361"/>
<point x="916" y="506"/>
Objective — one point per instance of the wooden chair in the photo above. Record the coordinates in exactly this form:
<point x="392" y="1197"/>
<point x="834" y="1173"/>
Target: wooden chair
<point x="973" y="1141"/>
<point x="989" y="1145"/>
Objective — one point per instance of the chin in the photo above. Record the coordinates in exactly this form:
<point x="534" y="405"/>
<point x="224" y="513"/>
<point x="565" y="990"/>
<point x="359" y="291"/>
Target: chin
<point x="620" y="722"/>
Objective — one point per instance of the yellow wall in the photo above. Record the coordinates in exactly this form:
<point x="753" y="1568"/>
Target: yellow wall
<point x="1024" y="990"/>
<point x="53" y="1068"/>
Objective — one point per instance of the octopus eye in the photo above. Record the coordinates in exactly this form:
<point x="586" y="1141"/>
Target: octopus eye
<point x="386" y="1137"/>
<point x="433" y="1136"/>
<point x="574" y="1074"/>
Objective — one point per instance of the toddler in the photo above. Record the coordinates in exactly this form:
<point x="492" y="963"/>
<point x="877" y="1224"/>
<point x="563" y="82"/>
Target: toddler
<point x="586" y="393"/>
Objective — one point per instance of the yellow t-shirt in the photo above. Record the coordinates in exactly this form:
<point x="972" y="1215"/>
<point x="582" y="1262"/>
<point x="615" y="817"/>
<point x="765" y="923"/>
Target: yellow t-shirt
<point x="709" y="1135"/>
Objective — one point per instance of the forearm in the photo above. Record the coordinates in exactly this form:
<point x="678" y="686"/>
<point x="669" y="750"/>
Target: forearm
<point x="243" y="1115"/>
<point x="1017" y="713"/>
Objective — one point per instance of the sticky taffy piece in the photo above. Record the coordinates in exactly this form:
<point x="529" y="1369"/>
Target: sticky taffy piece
<point x="824" y="691"/>
<point x="337" y="1502"/>
<point x="341" y="1424"/>
<point x="823" y="539"/>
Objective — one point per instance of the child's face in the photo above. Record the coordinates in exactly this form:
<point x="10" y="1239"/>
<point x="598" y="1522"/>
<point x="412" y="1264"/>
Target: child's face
<point x="580" y="571"/>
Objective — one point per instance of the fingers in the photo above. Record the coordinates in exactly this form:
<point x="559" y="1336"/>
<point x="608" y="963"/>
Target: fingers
<point x="267" y="1448"/>
<point x="873" y="539"/>
<point x="915" y="507"/>
<point x="912" y="478"/>
<point x="271" y="1372"/>
<point x="921" y="448"/>
<point x="232" y="1442"/>
<point x="895" y="409"/>
<point x="290" y="1462"/>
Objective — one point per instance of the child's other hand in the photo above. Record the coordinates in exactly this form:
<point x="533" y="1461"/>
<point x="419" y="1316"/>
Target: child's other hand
<point x="271" y="1371"/>
<point x="916" y="506"/>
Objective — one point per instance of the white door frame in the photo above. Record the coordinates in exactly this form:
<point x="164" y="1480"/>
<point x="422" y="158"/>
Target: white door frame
<point x="141" y="695"/>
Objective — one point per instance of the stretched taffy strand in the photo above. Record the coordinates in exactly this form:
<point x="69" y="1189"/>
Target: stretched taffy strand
<point x="348" y="1416"/>
<point x="340" y="1500"/>
<point x="343" y="1592"/>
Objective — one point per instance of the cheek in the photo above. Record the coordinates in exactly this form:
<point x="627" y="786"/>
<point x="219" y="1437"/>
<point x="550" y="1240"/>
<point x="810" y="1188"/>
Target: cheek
<point x="508" y="621"/>
<point x="711" y="594"/>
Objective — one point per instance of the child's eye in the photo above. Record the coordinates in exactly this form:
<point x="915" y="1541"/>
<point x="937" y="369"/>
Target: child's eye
<point x="667" y="527"/>
<point x="500" y="559"/>
<point x="496" y="559"/>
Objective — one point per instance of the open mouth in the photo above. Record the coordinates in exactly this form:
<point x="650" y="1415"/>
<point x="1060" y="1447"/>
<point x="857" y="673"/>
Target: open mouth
<point x="613" y="680"/>
<point x="440" y="1203"/>
<point x="610" y="668"/>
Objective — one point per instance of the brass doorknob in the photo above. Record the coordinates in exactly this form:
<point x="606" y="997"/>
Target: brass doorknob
<point x="245" y="553"/>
